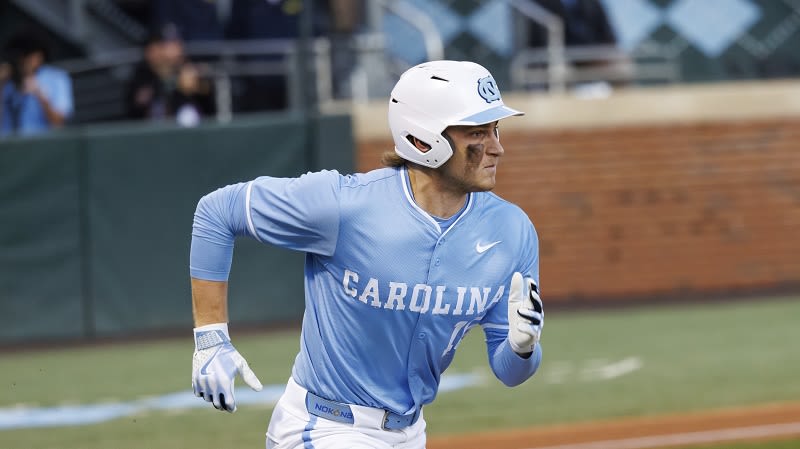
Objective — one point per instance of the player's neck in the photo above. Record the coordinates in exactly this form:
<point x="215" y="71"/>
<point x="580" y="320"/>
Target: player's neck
<point x="433" y="194"/>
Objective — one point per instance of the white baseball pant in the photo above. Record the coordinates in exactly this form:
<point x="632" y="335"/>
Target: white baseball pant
<point x="293" y="427"/>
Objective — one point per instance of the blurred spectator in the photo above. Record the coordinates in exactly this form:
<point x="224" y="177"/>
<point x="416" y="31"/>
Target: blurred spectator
<point x="193" y="97"/>
<point x="281" y="19"/>
<point x="210" y="20"/>
<point x="166" y="84"/>
<point x="266" y="19"/>
<point x="586" y="24"/>
<point x="36" y="96"/>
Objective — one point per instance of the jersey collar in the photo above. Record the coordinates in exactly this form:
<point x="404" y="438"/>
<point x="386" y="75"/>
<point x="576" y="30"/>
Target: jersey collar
<point x="406" y="181"/>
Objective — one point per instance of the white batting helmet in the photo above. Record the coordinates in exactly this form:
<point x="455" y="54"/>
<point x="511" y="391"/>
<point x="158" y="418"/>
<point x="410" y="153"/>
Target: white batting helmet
<point x="433" y="95"/>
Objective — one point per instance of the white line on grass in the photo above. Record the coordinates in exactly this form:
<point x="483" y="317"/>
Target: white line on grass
<point x="707" y="436"/>
<point x="75" y="414"/>
<point x="592" y="370"/>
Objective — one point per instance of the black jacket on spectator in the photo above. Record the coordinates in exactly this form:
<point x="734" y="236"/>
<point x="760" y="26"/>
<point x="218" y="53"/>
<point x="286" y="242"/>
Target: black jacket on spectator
<point x="156" y="106"/>
<point x="585" y="23"/>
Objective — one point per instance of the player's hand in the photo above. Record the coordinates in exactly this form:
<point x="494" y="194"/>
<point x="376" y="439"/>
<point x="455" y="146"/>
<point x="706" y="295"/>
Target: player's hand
<point x="525" y="314"/>
<point x="215" y="365"/>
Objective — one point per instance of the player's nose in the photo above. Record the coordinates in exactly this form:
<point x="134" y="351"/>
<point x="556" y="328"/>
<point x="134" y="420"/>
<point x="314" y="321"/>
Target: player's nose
<point x="495" y="148"/>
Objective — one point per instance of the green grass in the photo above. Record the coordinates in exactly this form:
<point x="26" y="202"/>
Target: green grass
<point x="128" y="371"/>
<point x="692" y="358"/>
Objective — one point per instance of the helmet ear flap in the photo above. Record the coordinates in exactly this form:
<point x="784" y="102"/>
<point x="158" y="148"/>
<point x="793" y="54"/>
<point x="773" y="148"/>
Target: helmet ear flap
<point x="407" y="124"/>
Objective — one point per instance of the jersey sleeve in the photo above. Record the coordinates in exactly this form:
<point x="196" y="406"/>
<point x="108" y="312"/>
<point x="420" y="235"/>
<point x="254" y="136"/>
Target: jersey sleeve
<point x="216" y="224"/>
<point x="506" y="364"/>
<point x="295" y="213"/>
<point x="528" y="265"/>
<point x="58" y="89"/>
<point x="64" y="100"/>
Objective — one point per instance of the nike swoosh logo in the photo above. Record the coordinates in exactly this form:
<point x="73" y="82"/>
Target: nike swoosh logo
<point x="483" y="248"/>
<point x="204" y="369"/>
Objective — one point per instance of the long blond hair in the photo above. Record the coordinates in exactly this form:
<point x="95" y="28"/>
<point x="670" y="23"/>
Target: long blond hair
<point x="392" y="159"/>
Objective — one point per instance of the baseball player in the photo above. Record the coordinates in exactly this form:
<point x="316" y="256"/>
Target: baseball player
<point x="401" y="262"/>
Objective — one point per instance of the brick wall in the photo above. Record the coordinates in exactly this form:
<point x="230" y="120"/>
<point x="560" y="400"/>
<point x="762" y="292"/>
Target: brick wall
<point x="644" y="210"/>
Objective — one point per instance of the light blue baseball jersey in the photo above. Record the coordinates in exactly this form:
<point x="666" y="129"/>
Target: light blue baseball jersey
<point x="389" y="294"/>
<point x="23" y="113"/>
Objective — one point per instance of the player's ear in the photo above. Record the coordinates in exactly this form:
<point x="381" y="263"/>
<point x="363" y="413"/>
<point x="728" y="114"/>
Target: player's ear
<point x="420" y="145"/>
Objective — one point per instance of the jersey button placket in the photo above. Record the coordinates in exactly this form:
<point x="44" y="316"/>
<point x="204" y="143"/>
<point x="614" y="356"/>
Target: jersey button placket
<point x="437" y="260"/>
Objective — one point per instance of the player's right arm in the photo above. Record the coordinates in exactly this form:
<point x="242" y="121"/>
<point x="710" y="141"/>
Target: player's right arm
<point x="295" y="213"/>
<point x="209" y="302"/>
<point x="215" y="362"/>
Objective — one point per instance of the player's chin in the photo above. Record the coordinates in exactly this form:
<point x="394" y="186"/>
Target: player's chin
<point x="490" y="177"/>
<point x="484" y="185"/>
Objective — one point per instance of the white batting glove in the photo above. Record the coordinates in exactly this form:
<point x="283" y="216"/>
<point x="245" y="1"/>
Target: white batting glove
<point x="215" y="365"/>
<point x="525" y="314"/>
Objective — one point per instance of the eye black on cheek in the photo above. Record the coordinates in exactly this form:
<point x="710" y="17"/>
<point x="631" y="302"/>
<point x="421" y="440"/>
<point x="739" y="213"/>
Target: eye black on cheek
<point x="475" y="151"/>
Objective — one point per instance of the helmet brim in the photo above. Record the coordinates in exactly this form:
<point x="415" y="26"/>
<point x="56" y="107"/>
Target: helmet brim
<point x="489" y="115"/>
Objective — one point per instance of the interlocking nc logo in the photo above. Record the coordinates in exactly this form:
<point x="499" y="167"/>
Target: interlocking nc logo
<point x="487" y="89"/>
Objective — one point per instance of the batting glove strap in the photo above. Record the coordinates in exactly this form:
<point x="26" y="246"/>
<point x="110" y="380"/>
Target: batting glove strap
<point x="210" y="335"/>
<point x="209" y="339"/>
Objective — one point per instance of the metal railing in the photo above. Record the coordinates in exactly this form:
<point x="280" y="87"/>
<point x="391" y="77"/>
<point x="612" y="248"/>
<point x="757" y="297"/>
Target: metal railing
<point x="367" y="78"/>
<point x="221" y="61"/>
<point x="592" y="63"/>
<point x="434" y="47"/>
<point x="557" y="66"/>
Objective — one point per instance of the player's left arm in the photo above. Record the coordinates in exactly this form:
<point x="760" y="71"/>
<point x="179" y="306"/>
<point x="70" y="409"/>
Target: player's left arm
<point x="513" y="326"/>
<point x="511" y="368"/>
<point x="515" y="352"/>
